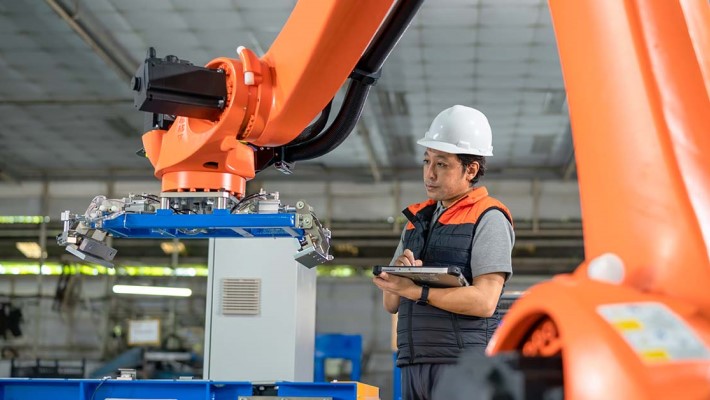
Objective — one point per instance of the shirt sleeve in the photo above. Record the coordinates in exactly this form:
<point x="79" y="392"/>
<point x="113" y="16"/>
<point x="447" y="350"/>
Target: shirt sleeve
<point x="492" y="246"/>
<point x="400" y="248"/>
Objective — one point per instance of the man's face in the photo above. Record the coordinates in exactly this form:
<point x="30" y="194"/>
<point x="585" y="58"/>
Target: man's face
<point x="444" y="177"/>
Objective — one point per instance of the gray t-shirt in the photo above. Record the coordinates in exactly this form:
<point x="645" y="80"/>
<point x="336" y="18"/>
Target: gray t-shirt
<point x="492" y="244"/>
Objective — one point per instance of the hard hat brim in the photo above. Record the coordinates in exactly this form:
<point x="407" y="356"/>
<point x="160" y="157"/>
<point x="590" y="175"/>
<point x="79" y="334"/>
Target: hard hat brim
<point x="450" y="148"/>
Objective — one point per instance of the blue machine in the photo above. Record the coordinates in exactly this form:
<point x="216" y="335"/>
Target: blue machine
<point x="348" y="347"/>
<point x="219" y="216"/>
<point x="101" y="389"/>
<point x="396" y="379"/>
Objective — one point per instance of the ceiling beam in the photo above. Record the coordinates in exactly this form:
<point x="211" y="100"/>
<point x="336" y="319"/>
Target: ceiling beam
<point x="65" y="102"/>
<point x="97" y="37"/>
<point x="310" y="172"/>
<point x="304" y="172"/>
<point x="569" y="169"/>
<point x="371" y="157"/>
<point x="7" y="175"/>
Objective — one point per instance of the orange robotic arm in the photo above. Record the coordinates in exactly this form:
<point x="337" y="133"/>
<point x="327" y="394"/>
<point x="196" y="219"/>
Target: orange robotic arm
<point x="269" y="101"/>
<point x="634" y="323"/>
<point x="211" y="129"/>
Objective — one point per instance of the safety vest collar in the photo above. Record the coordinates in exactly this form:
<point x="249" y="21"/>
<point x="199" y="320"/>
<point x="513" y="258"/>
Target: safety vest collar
<point x="472" y="197"/>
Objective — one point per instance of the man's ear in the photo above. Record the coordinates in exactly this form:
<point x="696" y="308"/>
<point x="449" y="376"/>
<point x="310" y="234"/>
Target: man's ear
<point x="473" y="169"/>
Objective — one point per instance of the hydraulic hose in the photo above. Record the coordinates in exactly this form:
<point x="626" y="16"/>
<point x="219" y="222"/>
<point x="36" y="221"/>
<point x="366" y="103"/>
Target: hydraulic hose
<point x="316" y="127"/>
<point x="388" y="36"/>
<point x="362" y="79"/>
<point x="339" y="129"/>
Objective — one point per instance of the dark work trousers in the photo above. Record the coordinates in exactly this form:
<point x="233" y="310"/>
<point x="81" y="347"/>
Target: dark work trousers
<point x="418" y="380"/>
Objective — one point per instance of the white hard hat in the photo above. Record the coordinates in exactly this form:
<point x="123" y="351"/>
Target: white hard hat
<point x="459" y="130"/>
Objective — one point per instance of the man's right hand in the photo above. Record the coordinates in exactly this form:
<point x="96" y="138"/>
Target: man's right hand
<point x="407" y="260"/>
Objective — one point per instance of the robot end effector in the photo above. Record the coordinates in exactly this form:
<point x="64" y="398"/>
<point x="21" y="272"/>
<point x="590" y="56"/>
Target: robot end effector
<point x="84" y="236"/>
<point x="192" y="216"/>
<point x="86" y="243"/>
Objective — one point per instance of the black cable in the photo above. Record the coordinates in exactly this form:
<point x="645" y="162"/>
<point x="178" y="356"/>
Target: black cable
<point x="157" y="200"/>
<point x="363" y="78"/>
<point x="149" y="197"/>
<point x="388" y="36"/>
<point x="339" y="129"/>
<point x="316" y="127"/>
<point x="245" y="198"/>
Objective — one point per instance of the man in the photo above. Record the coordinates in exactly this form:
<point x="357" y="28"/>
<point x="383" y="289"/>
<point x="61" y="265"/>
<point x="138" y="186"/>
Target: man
<point x="460" y="225"/>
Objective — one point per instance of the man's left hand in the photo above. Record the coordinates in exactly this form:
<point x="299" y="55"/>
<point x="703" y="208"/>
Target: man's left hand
<point x="398" y="285"/>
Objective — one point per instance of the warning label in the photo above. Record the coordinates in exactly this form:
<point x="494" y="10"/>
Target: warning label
<point x="655" y="332"/>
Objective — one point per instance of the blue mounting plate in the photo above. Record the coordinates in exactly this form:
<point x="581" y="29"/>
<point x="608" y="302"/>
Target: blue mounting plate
<point x="83" y="389"/>
<point x="219" y="224"/>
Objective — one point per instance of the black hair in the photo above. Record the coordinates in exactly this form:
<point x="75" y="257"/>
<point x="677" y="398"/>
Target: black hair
<point x="468" y="159"/>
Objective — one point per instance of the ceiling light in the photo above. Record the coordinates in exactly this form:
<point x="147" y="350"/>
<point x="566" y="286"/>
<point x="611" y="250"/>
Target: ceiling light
<point x="23" y="219"/>
<point x="152" y="290"/>
<point x="172" y="247"/>
<point x="29" y="249"/>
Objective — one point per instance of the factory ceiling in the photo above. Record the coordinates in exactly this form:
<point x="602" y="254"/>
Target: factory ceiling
<point x="67" y="110"/>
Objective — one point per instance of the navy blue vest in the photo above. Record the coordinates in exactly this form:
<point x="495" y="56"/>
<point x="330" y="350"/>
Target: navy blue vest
<point x="426" y="334"/>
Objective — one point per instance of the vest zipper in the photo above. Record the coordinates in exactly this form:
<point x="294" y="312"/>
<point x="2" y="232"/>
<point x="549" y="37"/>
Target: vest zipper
<point x="457" y="330"/>
<point x="411" y="303"/>
<point x="426" y="240"/>
<point x="409" y="331"/>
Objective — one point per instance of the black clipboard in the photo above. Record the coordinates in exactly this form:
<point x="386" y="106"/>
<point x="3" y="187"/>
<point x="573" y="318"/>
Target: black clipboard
<point x="430" y="276"/>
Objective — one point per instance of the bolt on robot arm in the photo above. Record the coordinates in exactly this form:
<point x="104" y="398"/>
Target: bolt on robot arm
<point x="210" y="129"/>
